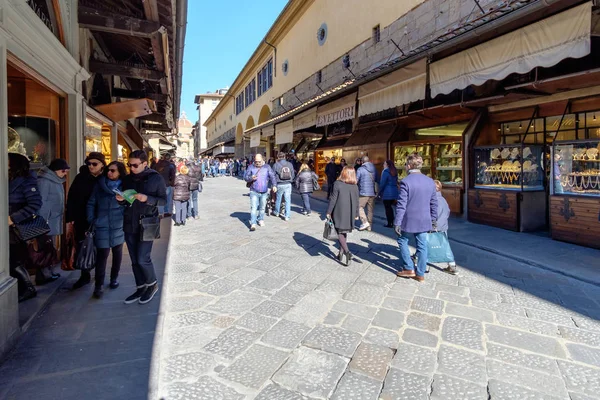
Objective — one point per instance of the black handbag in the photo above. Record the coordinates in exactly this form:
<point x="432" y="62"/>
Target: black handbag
<point x="86" y="257"/>
<point x="149" y="228"/>
<point x="329" y="231"/>
<point x="31" y="228"/>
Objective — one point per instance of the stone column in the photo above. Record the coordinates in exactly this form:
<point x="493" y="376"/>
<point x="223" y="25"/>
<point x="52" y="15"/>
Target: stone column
<point x="9" y="306"/>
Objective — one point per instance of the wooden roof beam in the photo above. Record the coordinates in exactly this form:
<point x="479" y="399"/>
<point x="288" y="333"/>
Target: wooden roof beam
<point x="125" y="71"/>
<point x="138" y="94"/>
<point x="118" y="24"/>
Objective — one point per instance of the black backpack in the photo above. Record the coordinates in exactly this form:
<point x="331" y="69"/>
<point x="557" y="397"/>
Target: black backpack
<point x="286" y="173"/>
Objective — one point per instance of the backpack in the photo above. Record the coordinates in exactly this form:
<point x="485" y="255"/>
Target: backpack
<point x="286" y="173"/>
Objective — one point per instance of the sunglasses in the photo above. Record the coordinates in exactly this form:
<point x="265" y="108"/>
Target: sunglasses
<point x="93" y="164"/>
<point x="113" y="170"/>
<point x="133" y="165"/>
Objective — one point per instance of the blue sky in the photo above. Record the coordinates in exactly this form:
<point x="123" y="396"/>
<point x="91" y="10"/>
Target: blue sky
<point x="221" y="36"/>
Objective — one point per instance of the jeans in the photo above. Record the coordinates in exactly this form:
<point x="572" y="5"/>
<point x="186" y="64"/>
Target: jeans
<point x="222" y="172"/>
<point x="141" y="260"/>
<point x="389" y="211"/>
<point x="101" y="261"/>
<point x="285" y="191"/>
<point x="258" y="202"/>
<point x="180" y="211"/>
<point x="306" y="201"/>
<point x="192" y="210"/>
<point x="407" y="262"/>
<point x="168" y="208"/>
<point x="369" y="202"/>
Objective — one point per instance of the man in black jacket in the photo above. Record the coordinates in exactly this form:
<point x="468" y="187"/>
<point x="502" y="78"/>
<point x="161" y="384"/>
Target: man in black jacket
<point x="79" y="193"/>
<point x="332" y="171"/>
<point x="167" y="170"/>
<point x="151" y="194"/>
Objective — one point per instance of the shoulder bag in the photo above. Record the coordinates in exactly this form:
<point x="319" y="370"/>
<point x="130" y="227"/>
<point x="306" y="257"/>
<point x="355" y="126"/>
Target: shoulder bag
<point x="149" y="228"/>
<point x="86" y="257"/>
<point x="329" y="231"/>
<point x="31" y="228"/>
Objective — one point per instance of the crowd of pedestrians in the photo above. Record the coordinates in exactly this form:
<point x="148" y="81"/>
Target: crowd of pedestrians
<point x="414" y="206"/>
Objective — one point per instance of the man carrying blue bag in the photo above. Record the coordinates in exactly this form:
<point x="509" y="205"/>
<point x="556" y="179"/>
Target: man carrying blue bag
<point x="438" y="246"/>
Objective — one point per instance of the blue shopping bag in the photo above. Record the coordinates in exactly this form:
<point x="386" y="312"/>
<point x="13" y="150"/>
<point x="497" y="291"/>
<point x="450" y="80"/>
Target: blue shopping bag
<point x="438" y="248"/>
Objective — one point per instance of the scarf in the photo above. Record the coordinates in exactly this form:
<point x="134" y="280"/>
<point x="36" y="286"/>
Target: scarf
<point x="112" y="185"/>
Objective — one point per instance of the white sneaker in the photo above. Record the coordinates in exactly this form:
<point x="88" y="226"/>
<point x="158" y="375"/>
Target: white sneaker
<point x="261" y="223"/>
<point x="252" y="228"/>
<point x="364" y="226"/>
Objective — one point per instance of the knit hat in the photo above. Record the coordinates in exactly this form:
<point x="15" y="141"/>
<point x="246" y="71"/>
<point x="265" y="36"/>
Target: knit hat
<point x="94" y="155"/>
<point x="58" y="165"/>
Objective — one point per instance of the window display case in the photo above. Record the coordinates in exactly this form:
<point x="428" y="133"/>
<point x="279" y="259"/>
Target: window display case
<point x="401" y="153"/>
<point x="576" y="168"/>
<point x="509" y="167"/>
<point x="449" y="164"/>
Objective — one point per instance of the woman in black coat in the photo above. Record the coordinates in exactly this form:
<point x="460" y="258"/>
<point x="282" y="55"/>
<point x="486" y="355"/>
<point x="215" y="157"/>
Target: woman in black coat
<point x="106" y="214"/>
<point x="305" y="185"/>
<point x="343" y="209"/>
<point x="24" y="201"/>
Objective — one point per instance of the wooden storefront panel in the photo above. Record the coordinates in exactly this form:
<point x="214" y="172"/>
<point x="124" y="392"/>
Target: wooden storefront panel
<point x="575" y="220"/>
<point x="494" y="208"/>
<point x="454" y="198"/>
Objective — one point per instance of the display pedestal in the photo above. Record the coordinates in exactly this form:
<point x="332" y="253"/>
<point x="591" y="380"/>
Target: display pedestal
<point x="512" y="210"/>
<point x="575" y="219"/>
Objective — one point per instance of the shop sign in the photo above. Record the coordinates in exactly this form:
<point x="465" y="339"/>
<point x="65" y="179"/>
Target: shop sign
<point x="268" y="131"/>
<point x="44" y="9"/>
<point x="338" y="115"/>
<point x="343" y="128"/>
<point x="284" y="132"/>
<point x="305" y="120"/>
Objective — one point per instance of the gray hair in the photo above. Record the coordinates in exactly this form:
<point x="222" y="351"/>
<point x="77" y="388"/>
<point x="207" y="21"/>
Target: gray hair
<point x="366" y="159"/>
<point x="414" y="161"/>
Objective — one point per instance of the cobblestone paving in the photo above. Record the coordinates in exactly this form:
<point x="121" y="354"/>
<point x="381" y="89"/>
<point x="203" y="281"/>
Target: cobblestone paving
<point x="272" y="315"/>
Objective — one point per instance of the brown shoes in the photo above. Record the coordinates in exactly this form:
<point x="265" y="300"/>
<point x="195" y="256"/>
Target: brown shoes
<point x="419" y="278"/>
<point x="406" y="274"/>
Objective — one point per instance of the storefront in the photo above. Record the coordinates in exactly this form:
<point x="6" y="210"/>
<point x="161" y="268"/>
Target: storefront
<point x="99" y="135"/>
<point x="44" y="118"/>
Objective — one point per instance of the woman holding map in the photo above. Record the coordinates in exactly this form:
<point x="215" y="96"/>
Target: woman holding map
<point x="106" y="215"/>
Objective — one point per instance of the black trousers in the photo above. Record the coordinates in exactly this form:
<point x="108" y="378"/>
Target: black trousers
<point x="101" y="261"/>
<point x="389" y="211"/>
<point x="330" y="183"/>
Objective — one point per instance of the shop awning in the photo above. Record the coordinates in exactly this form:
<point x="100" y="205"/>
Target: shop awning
<point x="284" y="132"/>
<point x="403" y="86"/>
<point x="337" y="111"/>
<point x="379" y="134"/>
<point x="125" y="110"/>
<point x="542" y="44"/>
<point x="268" y="131"/>
<point x="332" y="144"/>
<point x="305" y="120"/>
<point x="255" y="139"/>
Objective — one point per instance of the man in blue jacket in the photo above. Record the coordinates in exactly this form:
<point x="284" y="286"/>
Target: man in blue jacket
<point x="416" y="213"/>
<point x="366" y="177"/>
<point x="258" y="176"/>
<point x="285" y="173"/>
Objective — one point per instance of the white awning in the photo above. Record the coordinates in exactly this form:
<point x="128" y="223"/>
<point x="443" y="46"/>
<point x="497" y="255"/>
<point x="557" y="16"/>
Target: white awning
<point x="542" y="44"/>
<point x="395" y="89"/>
<point x="284" y="132"/>
<point x="255" y="139"/>
<point x="337" y="111"/>
<point x="268" y="131"/>
<point x="306" y="119"/>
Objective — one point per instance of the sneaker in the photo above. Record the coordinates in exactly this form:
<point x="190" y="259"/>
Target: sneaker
<point x="196" y="217"/>
<point x="308" y="214"/>
<point x="149" y="293"/>
<point x="304" y="212"/>
<point x="252" y="228"/>
<point x="364" y="226"/>
<point x="261" y="223"/>
<point x="286" y="219"/>
<point x="113" y="284"/>
<point x="136" y="296"/>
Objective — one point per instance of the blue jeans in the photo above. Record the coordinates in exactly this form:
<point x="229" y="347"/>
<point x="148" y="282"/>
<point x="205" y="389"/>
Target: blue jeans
<point x="141" y="260"/>
<point x="192" y="210"/>
<point x="284" y="190"/>
<point x="407" y="262"/>
<point x="258" y="202"/>
<point x="306" y="201"/>
<point x="222" y="172"/>
<point x="180" y="211"/>
<point x="168" y="208"/>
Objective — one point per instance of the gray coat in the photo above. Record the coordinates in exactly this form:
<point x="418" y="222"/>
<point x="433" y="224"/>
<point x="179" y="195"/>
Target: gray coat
<point x="53" y="197"/>
<point x="367" y="177"/>
<point x="343" y="206"/>
<point x="443" y="212"/>
<point x="304" y="181"/>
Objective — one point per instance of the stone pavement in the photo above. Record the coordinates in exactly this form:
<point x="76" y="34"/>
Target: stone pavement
<point x="272" y="315"/>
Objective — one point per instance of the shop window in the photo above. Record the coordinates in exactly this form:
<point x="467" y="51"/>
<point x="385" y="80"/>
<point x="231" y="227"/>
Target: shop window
<point x="97" y="137"/>
<point x="518" y="131"/>
<point x="455" y="130"/>
<point x="592" y="125"/>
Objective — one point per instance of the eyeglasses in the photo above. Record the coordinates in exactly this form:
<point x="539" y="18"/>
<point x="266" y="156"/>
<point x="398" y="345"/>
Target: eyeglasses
<point x="113" y="170"/>
<point x="133" y="165"/>
<point x="93" y="164"/>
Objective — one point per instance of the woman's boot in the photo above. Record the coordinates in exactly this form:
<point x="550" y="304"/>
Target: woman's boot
<point x="348" y="256"/>
<point x="27" y="289"/>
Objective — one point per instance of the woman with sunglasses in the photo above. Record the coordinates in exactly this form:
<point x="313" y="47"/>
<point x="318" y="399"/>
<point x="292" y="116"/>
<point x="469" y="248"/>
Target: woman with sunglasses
<point x="79" y="194"/>
<point x="106" y="215"/>
<point x="151" y="194"/>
